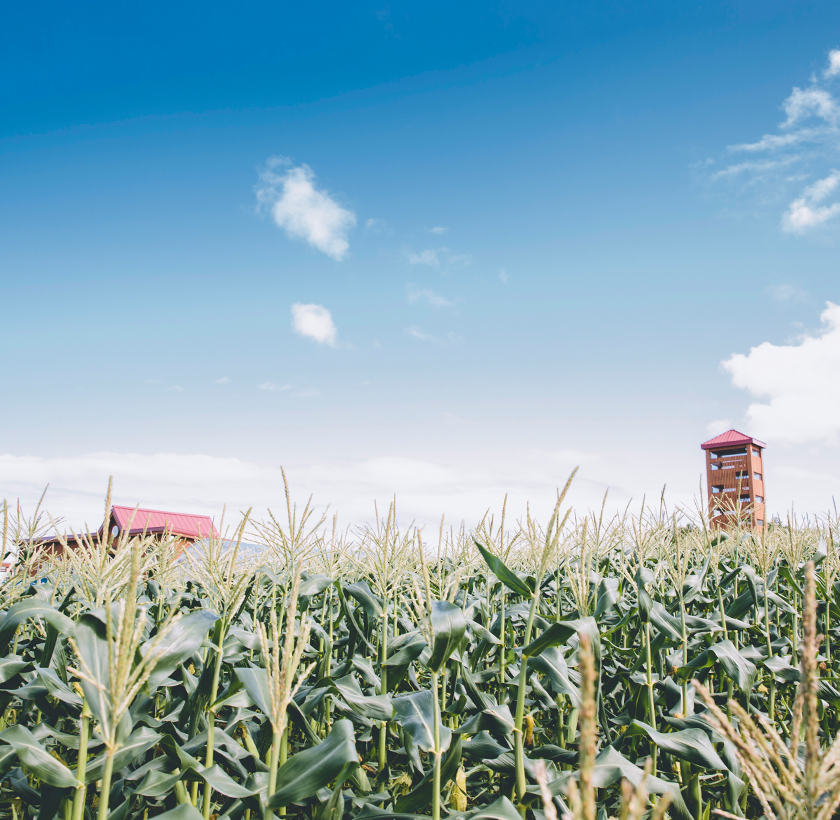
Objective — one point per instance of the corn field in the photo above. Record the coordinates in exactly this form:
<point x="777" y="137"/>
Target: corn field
<point x="586" y="667"/>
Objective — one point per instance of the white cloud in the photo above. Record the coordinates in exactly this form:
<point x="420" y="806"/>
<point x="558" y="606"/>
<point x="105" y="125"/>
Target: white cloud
<point x="799" y="383"/>
<point x="375" y="225"/>
<point x="804" y="149"/>
<point x="756" y="168"/>
<point x="271" y="387"/>
<point x="771" y="142"/>
<point x="204" y="484"/>
<point x="435" y="300"/>
<point x="784" y="294"/>
<point x="315" y="322"/>
<point x="175" y="388"/>
<point x="302" y="210"/>
<point x="434" y="257"/>
<point x="425" y="487"/>
<point x="715" y="428"/>
<point x="503" y="277"/>
<point x="223" y="380"/>
<point x="438" y="230"/>
<point x="427" y="257"/>
<point x="833" y="67"/>
<point x="809" y="102"/>
<point x="416" y="333"/>
<point x="805" y="212"/>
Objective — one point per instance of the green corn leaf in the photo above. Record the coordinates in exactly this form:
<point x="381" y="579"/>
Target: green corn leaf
<point x="559" y="633"/>
<point x="741" y="671"/>
<point x="501" y="809"/>
<point x="421" y="795"/>
<point x="374" y="707"/>
<point x="13" y="665"/>
<point x="406" y="652"/>
<point x="138" y="743"/>
<point x="37" y="759"/>
<point x="509" y="578"/>
<point x="312" y="769"/>
<point x="58" y="688"/>
<point x="33" y="607"/>
<point x="607" y="596"/>
<point x="366" y="599"/>
<point x="311" y="585"/>
<point x="497" y="720"/>
<point x="611" y="766"/>
<point x="186" y="811"/>
<point x="691" y="745"/>
<point x="448" y="626"/>
<point x="255" y="681"/>
<point x="224" y="784"/>
<point x="552" y="663"/>
<point x="93" y="649"/>
<point x="482" y="747"/>
<point x="416" y="714"/>
<point x="157" y="784"/>
<point x="333" y="807"/>
<point x="184" y="639"/>
<point x="665" y="623"/>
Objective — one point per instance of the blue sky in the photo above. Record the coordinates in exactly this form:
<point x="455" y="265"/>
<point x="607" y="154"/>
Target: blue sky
<point x="520" y="236"/>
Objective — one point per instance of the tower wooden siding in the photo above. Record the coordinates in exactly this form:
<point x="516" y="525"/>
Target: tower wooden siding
<point x="735" y="478"/>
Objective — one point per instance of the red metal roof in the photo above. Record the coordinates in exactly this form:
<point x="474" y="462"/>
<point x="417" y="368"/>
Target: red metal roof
<point x="191" y="526"/>
<point x="731" y="438"/>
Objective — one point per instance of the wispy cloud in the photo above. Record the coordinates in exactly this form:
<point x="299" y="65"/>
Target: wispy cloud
<point x="806" y="212"/>
<point x="271" y="387"/>
<point x="223" y="380"/>
<point x="175" y="388"/>
<point x="375" y="225"/>
<point x="427" y="257"/>
<point x="771" y="142"/>
<point x="785" y="294"/>
<point x="301" y="209"/>
<point x="435" y="257"/>
<point x="434" y="299"/>
<point x="314" y="322"/>
<point x="438" y="230"/>
<point x="503" y="277"/>
<point x="420" y="334"/>
<point x="416" y="333"/>
<point x="803" y="150"/>
<point x="755" y="169"/>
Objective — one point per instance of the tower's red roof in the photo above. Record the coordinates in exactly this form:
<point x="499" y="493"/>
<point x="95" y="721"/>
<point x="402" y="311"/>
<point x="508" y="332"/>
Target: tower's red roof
<point x="191" y="526"/>
<point x="731" y="438"/>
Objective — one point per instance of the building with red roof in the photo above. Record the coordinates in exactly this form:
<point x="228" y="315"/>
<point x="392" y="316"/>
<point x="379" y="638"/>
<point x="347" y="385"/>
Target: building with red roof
<point x="186" y="528"/>
<point x="735" y="479"/>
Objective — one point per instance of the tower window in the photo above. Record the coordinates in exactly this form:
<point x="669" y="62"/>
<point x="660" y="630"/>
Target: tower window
<point x="717" y="488"/>
<point x="756" y="453"/>
<point x="715" y="466"/>
<point x="759" y="499"/>
<point x="757" y="476"/>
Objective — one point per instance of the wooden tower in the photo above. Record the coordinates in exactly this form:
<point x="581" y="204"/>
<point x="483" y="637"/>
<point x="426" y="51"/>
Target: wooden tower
<point x="735" y="479"/>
